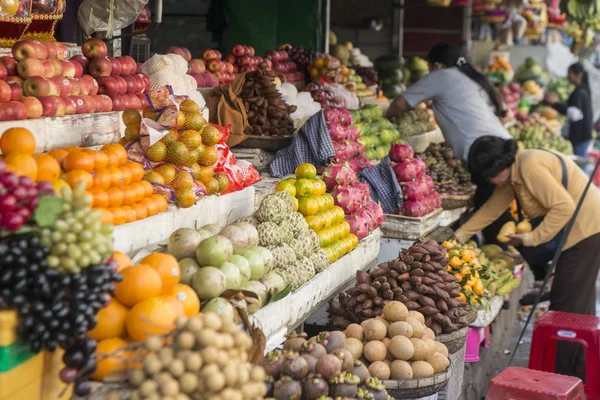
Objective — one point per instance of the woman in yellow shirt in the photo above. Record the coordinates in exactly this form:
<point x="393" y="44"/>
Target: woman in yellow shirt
<point x="535" y="178"/>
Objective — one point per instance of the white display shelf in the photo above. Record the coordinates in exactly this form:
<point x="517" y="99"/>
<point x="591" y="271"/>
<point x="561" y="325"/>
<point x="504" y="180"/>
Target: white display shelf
<point x="449" y="217"/>
<point x="82" y="130"/>
<point x="277" y="319"/>
<point x="220" y="210"/>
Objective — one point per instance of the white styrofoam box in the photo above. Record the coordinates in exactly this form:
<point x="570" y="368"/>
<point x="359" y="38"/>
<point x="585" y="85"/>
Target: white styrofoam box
<point x="221" y="210"/>
<point x="295" y="308"/>
<point x="82" y="130"/>
<point x="449" y="217"/>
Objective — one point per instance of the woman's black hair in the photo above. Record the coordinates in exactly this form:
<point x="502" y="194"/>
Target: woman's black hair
<point x="578" y="69"/>
<point x="448" y="55"/>
<point x="490" y="155"/>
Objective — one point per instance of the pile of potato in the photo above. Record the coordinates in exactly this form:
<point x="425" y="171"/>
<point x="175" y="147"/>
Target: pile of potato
<point x="418" y="278"/>
<point x="319" y="368"/>
<point x="206" y="357"/>
<point x="397" y="345"/>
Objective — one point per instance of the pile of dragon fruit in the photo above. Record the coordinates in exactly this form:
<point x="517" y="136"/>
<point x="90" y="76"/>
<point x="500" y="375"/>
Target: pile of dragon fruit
<point x="345" y="139"/>
<point x="418" y="189"/>
<point x="354" y="197"/>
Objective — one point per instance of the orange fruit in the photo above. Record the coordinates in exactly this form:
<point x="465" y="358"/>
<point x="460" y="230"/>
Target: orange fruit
<point x="148" y="188"/>
<point x="100" y="198"/>
<point x="116" y="176"/>
<point x="151" y="206"/>
<point x="180" y="119"/>
<point x="188" y="297"/>
<point x="160" y="201"/>
<point x="212" y="186"/>
<point x="210" y="135"/>
<point x="140" y="282"/>
<point x="77" y="175"/>
<point x="140" y="191"/>
<point x="136" y="169"/>
<point x="17" y="140"/>
<point x="171" y="137"/>
<point x="59" y="185"/>
<point x="111" y="321"/>
<point x="185" y="197"/>
<point x="131" y="116"/>
<point x="209" y="157"/>
<point x="140" y="210"/>
<point x="122" y="260"/>
<point x="175" y="304"/>
<point x="130" y="213"/>
<point x="306" y="170"/>
<point x="102" y="179"/>
<point x="319" y="186"/>
<point x="167" y="268"/>
<point x="126" y="176"/>
<point x="100" y="160"/>
<point x="111" y="357"/>
<point x="83" y="160"/>
<point x="154" y="177"/>
<point x="58" y="154"/>
<point x="167" y="171"/>
<point x="73" y="149"/>
<point x="115" y="196"/>
<point x="129" y="195"/>
<point x="118" y="150"/>
<point x="48" y="168"/>
<point x="106" y="216"/>
<point x="119" y="216"/>
<point x="192" y="139"/>
<point x="113" y="159"/>
<point x="223" y="182"/>
<point x="153" y="316"/>
<point x="182" y="180"/>
<point x="205" y="174"/>
<point x="124" y="142"/>
<point x="308" y="206"/>
<point x="132" y="132"/>
<point x="22" y="164"/>
<point x="148" y="113"/>
<point x="157" y="152"/>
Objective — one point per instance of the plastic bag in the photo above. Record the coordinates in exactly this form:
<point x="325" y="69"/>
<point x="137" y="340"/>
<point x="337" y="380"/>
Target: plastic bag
<point x="95" y="15"/>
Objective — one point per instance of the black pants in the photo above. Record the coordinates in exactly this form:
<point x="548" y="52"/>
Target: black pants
<point x="574" y="291"/>
<point x="483" y="193"/>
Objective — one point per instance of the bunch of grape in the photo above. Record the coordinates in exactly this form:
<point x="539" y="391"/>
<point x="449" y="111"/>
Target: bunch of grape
<point x="54" y="309"/>
<point x="80" y="363"/>
<point x="19" y="197"/>
<point x="300" y="56"/>
<point x="368" y="75"/>
<point x="78" y="238"/>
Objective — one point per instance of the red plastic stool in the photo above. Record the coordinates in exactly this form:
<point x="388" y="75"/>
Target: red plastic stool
<point x="578" y="328"/>
<point x="515" y="383"/>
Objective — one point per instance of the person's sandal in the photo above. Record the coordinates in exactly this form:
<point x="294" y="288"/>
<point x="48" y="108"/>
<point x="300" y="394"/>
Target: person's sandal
<point x="529" y="298"/>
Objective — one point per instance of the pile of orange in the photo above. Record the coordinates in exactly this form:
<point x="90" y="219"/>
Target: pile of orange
<point x="146" y="302"/>
<point x="115" y="184"/>
<point x="18" y="148"/>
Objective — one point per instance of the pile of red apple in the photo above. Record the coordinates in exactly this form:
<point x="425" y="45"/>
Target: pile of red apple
<point x="38" y="81"/>
<point x="244" y="59"/>
<point x="286" y="69"/>
<point x="208" y="71"/>
<point x="512" y="96"/>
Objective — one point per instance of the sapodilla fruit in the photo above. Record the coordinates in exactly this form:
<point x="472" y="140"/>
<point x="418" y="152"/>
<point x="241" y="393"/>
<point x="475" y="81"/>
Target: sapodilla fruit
<point x="157" y="152"/>
<point x="194" y="121"/>
<point x="210" y="135"/>
<point x="209" y="157"/>
<point x="191" y="138"/>
<point x="177" y="153"/>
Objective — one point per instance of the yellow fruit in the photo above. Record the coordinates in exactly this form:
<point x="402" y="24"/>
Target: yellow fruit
<point x="304" y="187"/>
<point x="194" y="121"/>
<point x="196" y="170"/>
<point x="209" y="157"/>
<point x="210" y="135"/>
<point x="321" y="202"/>
<point x="286" y="186"/>
<point x="183" y="180"/>
<point x="59" y="185"/>
<point x="308" y="206"/>
<point x="193" y="156"/>
<point x="212" y="186"/>
<point x="329" y="200"/>
<point x="314" y="222"/>
<point x="167" y="171"/>
<point x="191" y="139"/>
<point x="185" y="197"/>
<point x="157" y="152"/>
<point x="178" y="153"/>
<point x="327" y="237"/>
<point x="339" y="213"/>
<point x="306" y="171"/>
<point x="223" y="182"/>
<point x="154" y="177"/>
<point x="10" y="6"/>
<point x="171" y="137"/>
<point x="319" y="186"/>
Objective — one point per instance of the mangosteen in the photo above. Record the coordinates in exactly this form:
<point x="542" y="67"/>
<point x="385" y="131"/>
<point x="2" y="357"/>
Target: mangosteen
<point x="345" y="358"/>
<point x="364" y="394"/>
<point x="314" y="387"/>
<point x="344" y="385"/>
<point x="287" y="389"/>
<point x="294" y="342"/>
<point x="270" y="385"/>
<point x="272" y="364"/>
<point x="328" y="366"/>
<point x="374" y="386"/>
<point x="314" y="349"/>
<point x="311" y="361"/>
<point x="334" y="340"/>
<point x="294" y="366"/>
<point x="359" y="369"/>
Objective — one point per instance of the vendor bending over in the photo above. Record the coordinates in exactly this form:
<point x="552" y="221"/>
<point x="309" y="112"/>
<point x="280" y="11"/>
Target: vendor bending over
<point x="536" y="179"/>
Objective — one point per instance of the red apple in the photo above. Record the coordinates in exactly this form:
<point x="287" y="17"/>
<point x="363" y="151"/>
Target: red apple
<point x="138" y="68"/>
<point x="71" y="106"/>
<point x="135" y="102"/>
<point x="5" y="92"/>
<point x="61" y="107"/>
<point x="29" y="49"/>
<point x="197" y="66"/>
<point x="84" y="62"/>
<point x="94" y="48"/>
<point x="10" y="64"/>
<point x="237" y="50"/>
<point x="121" y="85"/>
<point x="107" y="85"/>
<point x="90" y="102"/>
<point x="49" y="105"/>
<point x="33" y="106"/>
<point x="48" y="69"/>
<point x="58" y="67"/>
<point x="63" y="51"/>
<point x="15" y="79"/>
<point x="37" y="86"/>
<point x="131" y="84"/>
<point x="132" y="65"/>
<point x="3" y="72"/>
<point x="127" y="100"/>
<point x="20" y="112"/>
<point x="143" y="100"/>
<point x="80" y="105"/>
<point x="93" y="87"/>
<point x="108" y="104"/>
<point x="211" y="54"/>
<point x="85" y="85"/>
<point x="52" y="48"/>
<point x="140" y="83"/>
<point x="30" y="67"/>
<point x="16" y="93"/>
<point x="186" y="54"/>
<point x="117" y="103"/>
<point x="64" y="86"/>
<point x="54" y="87"/>
<point x="99" y="103"/>
<point x="199" y="79"/>
<point x="3" y="116"/>
<point x="100" y="66"/>
<point x="116" y="66"/>
<point x="214" y="66"/>
<point x="176" y="50"/>
<point x="75" y="86"/>
<point x="146" y="79"/>
<point x="68" y="69"/>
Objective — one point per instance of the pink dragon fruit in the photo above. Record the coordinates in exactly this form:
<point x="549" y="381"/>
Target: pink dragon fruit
<point x="354" y="164"/>
<point x="366" y="214"/>
<point x="364" y="161"/>
<point x="332" y="115"/>
<point x="344" y="150"/>
<point x="349" y="199"/>
<point x="345" y="117"/>
<point x="437" y="200"/>
<point x="429" y="182"/>
<point x="358" y="226"/>
<point x="415" y="209"/>
<point x="363" y="187"/>
<point x="359" y="148"/>
<point x="376" y="213"/>
<point x="337" y="132"/>
<point x="409" y="170"/>
<point x="400" y="152"/>
<point x="352" y="133"/>
<point x="338" y="174"/>
<point x="414" y="190"/>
